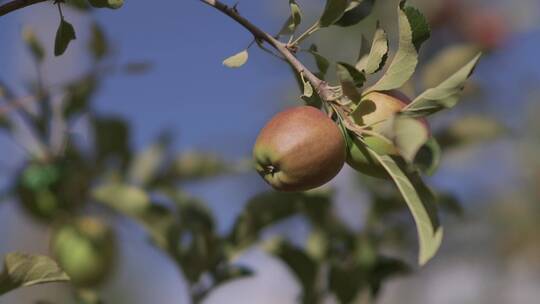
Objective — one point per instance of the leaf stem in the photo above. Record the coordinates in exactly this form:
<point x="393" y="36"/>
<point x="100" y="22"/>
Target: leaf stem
<point x="310" y="31"/>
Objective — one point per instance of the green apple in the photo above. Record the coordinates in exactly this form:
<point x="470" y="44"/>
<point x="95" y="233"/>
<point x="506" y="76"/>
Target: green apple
<point x="85" y="250"/>
<point x="374" y="112"/>
<point x="50" y="189"/>
<point x="299" y="149"/>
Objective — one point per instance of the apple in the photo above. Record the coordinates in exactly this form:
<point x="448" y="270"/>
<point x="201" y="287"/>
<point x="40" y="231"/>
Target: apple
<point x="85" y="250"/>
<point x="299" y="149"/>
<point x="374" y="112"/>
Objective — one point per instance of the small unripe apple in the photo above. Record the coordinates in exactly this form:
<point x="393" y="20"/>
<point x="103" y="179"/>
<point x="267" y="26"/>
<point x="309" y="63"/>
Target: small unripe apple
<point x="375" y="112"/>
<point x="299" y="149"/>
<point x="50" y="189"/>
<point x="84" y="250"/>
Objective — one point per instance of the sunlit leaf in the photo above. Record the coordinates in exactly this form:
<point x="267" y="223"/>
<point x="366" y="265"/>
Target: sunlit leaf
<point x="378" y="54"/>
<point x="429" y="233"/>
<point x="237" y="60"/>
<point x="363" y="54"/>
<point x="333" y="10"/>
<point x="410" y="135"/>
<point x="198" y="165"/>
<point x="145" y="164"/>
<point x="413" y="31"/>
<point x="21" y="270"/>
<point x="293" y="21"/>
<point x="444" y="96"/>
<point x="64" y="35"/>
<point x="125" y="198"/>
<point x="308" y="89"/>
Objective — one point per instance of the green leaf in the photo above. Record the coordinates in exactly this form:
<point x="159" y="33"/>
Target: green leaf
<point x="64" y="35"/>
<point x="112" y="4"/>
<point x="308" y="89"/>
<point x="333" y="11"/>
<point x="237" y="60"/>
<point x="22" y="270"/>
<point x="322" y="63"/>
<point x="294" y="20"/>
<point x="125" y="198"/>
<point x="377" y="56"/>
<point x="34" y="45"/>
<point x="357" y="11"/>
<point x="146" y="164"/>
<point x="363" y="54"/>
<point x="429" y="232"/>
<point x="410" y="135"/>
<point x="98" y="43"/>
<point x="350" y="78"/>
<point x="413" y="31"/>
<point x="384" y="269"/>
<point x="428" y="157"/>
<point x="444" y="96"/>
<point x="112" y="140"/>
<point x="78" y="95"/>
<point x="301" y="264"/>
<point x="268" y="208"/>
<point x="78" y="4"/>
<point x="4" y="123"/>
<point x="471" y="129"/>
<point x="197" y="165"/>
<point x="444" y="63"/>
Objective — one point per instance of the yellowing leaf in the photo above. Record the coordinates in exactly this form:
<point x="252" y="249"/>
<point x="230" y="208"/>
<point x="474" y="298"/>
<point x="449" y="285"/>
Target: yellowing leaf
<point x="378" y="53"/>
<point x="293" y="21"/>
<point x="21" y="270"/>
<point x="237" y="60"/>
<point x="308" y="90"/>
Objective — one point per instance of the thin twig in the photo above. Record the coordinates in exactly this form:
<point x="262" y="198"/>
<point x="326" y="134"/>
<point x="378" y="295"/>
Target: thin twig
<point x="323" y="89"/>
<point x="15" y="105"/>
<point x="16" y="5"/>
